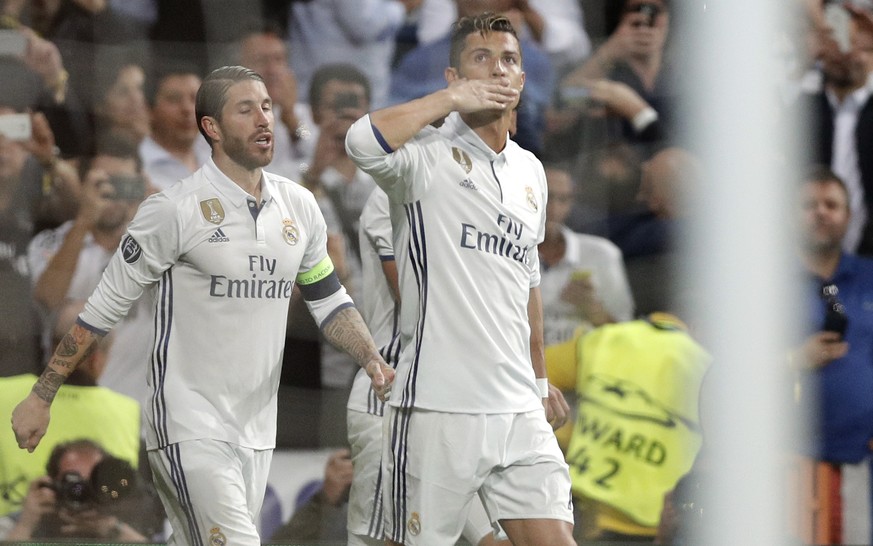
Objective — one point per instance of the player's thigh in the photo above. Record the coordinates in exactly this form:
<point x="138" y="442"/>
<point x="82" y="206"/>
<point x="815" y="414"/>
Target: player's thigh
<point x="534" y="481"/>
<point x="431" y="468"/>
<point x="365" y="442"/>
<point x="212" y="491"/>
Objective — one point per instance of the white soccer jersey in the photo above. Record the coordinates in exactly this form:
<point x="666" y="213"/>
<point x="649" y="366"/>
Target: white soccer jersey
<point x="466" y="223"/>
<point x="375" y="303"/>
<point x="222" y="273"/>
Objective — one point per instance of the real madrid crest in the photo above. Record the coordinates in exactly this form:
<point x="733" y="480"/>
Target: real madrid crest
<point x="212" y="210"/>
<point x="531" y="199"/>
<point x="289" y="232"/>
<point x="216" y="537"/>
<point x="414" y="524"/>
<point x="463" y="159"/>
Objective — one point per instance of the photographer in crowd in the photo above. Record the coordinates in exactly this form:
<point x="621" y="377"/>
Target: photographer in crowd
<point x="70" y="502"/>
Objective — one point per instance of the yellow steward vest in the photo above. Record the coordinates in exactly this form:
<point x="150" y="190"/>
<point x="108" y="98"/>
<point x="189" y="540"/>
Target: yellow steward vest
<point x="637" y="427"/>
<point x="96" y="413"/>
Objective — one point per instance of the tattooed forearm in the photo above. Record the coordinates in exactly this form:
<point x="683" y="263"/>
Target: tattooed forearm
<point x="47" y="385"/>
<point x="68" y="346"/>
<point x="348" y="332"/>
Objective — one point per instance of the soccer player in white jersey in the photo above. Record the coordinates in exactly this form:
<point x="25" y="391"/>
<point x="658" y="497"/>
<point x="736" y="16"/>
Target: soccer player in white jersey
<point x="220" y="252"/>
<point x="465" y="416"/>
<point x="378" y="305"/>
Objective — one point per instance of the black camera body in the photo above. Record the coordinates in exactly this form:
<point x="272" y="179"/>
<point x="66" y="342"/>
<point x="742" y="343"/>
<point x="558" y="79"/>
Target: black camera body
<point x="836" y="319"/>
<point x="111" y="479"/>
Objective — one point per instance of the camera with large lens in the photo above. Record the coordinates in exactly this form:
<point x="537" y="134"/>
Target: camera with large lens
<point x="111" y="479"/>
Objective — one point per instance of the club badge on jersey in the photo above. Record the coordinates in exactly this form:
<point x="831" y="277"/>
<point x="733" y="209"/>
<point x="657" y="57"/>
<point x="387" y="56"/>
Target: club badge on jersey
<point x="289" y="232"/>
<point x="531" y="200"/>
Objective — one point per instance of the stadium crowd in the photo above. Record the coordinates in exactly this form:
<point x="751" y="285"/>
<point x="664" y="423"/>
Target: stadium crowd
<point x="97" y="113"/>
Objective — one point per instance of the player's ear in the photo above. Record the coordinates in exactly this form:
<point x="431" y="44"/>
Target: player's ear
<point x="210" y="127"/>
<point x="451" y="74"/>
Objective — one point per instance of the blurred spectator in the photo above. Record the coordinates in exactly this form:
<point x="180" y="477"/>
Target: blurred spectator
<point x="68" y="502"/>
<point x="668" y="181"/>
<point x="637" y="429"/>
<point x="358" y="32"/>
<point x="175" y="148"/>
<point x="21" y="193"/>
<point x="81" y="410"/>
<point x="264" y="50"/>
<point x="338" y="95"/>
<point x="119" y="97"/>
<point x="199" y="33"/>
<point x="558" y="26"/>
<point x="584" y="283"/>
<point x="68" y="262"/>
<point x="835" y="361"/>
<point x="422" y="71"/>
<point x="322" y="517"/>
<point x="624" y="87"/>
<point x="36" y="78"/>
<point x="841" y="115"/>
<point x="85" y="32"/>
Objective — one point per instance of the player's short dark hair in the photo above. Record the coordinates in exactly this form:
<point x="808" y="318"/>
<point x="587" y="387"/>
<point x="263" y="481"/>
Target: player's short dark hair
<point x="483" y="24"/>
<point x="212" y="95"/>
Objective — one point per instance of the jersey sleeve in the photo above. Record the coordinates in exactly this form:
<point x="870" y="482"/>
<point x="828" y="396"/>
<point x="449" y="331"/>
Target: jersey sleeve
<point x="534" y="257"/>
<point x="318" y="282"/>
<point x="376" y="225"/>
<point x="150" y="247"/>
<point x="397" y="172"/>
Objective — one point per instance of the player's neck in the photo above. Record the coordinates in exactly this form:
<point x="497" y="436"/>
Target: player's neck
<point x="247" y="179"/>
<point x="492" y="130"/>
<point x="821" y="263"/>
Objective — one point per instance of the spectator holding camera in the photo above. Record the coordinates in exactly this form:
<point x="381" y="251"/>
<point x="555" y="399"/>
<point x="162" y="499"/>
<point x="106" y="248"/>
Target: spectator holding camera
<point x="626" y="80"/>
<point x="66" y="502"/>
<point x="68" y="262"/>
<point x="834" y="363"/>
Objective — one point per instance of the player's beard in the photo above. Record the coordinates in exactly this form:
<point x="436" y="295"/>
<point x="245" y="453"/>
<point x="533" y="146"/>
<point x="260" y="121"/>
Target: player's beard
<point x="238" y="150"/>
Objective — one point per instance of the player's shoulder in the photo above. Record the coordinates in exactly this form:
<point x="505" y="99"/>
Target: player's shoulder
<point x="289" y="189"/>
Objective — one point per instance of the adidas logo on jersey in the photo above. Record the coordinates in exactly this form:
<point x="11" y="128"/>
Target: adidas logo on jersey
<point x="219" y="237"/>
<point x="467" y="183"/>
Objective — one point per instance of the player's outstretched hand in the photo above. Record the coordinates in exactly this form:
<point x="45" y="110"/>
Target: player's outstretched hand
<point x="381" y="377"/>
<point x="30" y="419"/>
<point x="557" y="409"/>
<point x="478" y="95"/>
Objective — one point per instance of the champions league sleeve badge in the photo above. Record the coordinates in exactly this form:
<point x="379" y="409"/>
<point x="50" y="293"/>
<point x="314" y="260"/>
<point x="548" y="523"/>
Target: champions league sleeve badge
<point x="290" y="232"/>
<point x="130" y="250"/>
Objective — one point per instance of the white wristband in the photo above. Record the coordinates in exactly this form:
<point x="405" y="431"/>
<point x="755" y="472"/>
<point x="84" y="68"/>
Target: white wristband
<point x="543" y="386"/>
<point x="644" y="118"/>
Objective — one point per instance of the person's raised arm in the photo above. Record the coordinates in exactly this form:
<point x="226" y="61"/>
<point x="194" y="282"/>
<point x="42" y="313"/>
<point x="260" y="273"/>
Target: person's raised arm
<point x="397" y="124"/>
<point x="30" y="418"/>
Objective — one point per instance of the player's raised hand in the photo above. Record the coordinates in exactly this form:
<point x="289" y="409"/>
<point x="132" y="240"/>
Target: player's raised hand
<point x="477" y="95"/>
